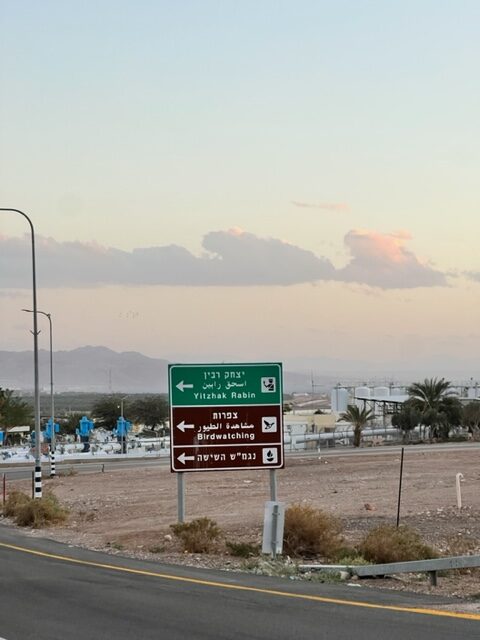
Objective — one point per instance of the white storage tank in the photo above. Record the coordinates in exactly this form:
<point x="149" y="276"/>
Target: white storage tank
<point x="381" y="392"/>
<point x="340" y="399"/>
<point x="361" y="392"/>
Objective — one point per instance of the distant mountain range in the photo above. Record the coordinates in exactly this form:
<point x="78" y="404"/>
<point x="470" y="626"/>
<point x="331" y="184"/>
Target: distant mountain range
<point x="96" y="369"/>
<point x="101" y="370"/>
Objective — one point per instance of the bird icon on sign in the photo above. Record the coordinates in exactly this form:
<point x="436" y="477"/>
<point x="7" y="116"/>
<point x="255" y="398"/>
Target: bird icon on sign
<point x="269" y="424"/>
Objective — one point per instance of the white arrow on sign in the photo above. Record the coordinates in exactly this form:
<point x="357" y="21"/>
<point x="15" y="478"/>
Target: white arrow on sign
<point x="183" y="458"/>
<point x="183" y="385"/>
<point x="182" y="426"/>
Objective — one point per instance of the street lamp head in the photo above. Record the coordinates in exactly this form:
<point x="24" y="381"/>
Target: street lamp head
<point x="44" y="313"/>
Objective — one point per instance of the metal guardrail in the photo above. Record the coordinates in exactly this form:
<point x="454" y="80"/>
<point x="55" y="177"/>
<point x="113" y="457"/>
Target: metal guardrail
<point x="415" y="566"/>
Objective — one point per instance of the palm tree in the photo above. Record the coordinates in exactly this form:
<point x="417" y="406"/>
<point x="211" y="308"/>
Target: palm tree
<point x="428" y="394"/>
<point x="359" y="418"/>
<point x="438" y="408"/>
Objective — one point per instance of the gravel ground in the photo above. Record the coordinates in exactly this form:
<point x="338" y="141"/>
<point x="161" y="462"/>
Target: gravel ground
<point x="129" y="512"/>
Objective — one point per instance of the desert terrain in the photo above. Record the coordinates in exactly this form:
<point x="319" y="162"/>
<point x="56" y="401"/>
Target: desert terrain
<point x="130" y="511"/>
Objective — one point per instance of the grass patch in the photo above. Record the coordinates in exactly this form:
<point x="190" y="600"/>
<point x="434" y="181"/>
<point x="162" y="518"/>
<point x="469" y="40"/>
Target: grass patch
<point x="329" y="577"/>
<point x="311" y="532"/>
<point x="387" y="543"/>
<point x="242" y="549"/>
<point x="281" y="568"/>
<point x="198" y="536"/>
<point x="36" y="513"/>
<point x="352" y="560"/>
<point x="156" y="548"/>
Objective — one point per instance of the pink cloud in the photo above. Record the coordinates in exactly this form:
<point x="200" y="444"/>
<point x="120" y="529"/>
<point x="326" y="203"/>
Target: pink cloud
<point x="382" y="260"/>
<point x="232" y="258"/>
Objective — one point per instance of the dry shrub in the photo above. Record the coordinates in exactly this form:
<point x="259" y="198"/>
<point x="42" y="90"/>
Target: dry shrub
<point x="461" y="545"/>
<point x="311" y="532"/>
<point x="36" y="513"/>
<point x="14" y="500"/>
<point x="197" y="536"/>
<point x="386" y="543"/>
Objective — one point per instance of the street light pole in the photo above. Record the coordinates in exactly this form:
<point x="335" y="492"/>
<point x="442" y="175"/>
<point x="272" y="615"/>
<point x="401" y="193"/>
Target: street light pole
<point x="38" y="461"/>
<point x="52" y="399"/>
<point x="124" y="448"/>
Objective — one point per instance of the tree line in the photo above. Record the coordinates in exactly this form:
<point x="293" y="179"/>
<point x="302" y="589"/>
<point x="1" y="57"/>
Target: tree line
<point x="431" y="406"/>
<point x="149" y="410"/>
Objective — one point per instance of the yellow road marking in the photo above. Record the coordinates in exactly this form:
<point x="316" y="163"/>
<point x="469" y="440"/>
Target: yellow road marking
<point x="236" y="587"/>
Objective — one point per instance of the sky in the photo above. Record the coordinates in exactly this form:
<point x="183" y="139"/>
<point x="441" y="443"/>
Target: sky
<point x="244" y="181"/>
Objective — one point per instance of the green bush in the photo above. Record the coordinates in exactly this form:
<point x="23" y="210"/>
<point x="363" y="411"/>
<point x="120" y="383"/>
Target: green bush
<point x="36" y="513"/>
<point x="198" y="536"/>
<point x="351" y="560"/>
<point x="311" y="532"/>
<point x="387" y="543"/>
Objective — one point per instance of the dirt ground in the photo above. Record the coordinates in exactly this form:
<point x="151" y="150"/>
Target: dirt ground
<point x="130" y="511"/>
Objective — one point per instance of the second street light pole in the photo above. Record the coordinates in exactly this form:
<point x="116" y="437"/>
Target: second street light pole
<point x="52" y="398"/>
<point x="38" y="460"/>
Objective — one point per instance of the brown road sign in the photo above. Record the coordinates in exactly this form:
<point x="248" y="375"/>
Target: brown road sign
<point x="218" y="457"/>
<point x="193" y="426"/>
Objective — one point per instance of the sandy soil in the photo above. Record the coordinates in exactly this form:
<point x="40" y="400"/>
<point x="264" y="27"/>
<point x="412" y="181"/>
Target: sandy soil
<point x="130" y="511"/>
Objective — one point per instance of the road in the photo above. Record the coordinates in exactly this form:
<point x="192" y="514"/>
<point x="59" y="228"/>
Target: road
<point x="93" y="465"/>
<point x="51" y="591"/>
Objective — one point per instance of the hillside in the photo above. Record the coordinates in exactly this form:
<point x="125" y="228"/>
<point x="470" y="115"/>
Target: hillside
<point x="101" y="370"/>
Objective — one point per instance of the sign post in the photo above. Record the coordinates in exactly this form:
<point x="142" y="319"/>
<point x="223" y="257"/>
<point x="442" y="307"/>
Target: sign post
<point x="226" y="417"/>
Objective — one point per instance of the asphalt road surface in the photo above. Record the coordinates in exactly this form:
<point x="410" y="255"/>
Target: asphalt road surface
<point x="52" y="591"/>
<point x="94" y="465"/>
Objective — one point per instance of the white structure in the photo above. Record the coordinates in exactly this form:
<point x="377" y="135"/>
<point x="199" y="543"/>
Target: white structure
<point x="472" y="392"/>
<point x="340" y="399"/>
<point x="381" y="392"/>
<point x="360" y="394"/>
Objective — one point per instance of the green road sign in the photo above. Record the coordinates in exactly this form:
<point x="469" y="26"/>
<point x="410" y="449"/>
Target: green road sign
<point x="225" y="384"/>
<point x="225" y="416"/>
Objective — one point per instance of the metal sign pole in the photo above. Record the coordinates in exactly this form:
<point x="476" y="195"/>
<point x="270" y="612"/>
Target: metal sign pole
<point x="274" y="531"/>
<point x="181" y="497"/>
<point x="273" y="485"/>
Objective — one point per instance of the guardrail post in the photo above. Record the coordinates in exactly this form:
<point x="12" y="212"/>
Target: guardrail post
<point x="433" y="578"/>
<point x="4" y="488"/>
<point x="458" y="479"/>
<point x="400" y="488"/>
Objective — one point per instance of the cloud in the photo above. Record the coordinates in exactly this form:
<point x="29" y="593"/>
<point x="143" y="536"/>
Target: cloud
<point x="470" y="275"/>
<point x="231" y="258"/>
<point x="324" y="206"/>
<point x="381" y="260"/>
